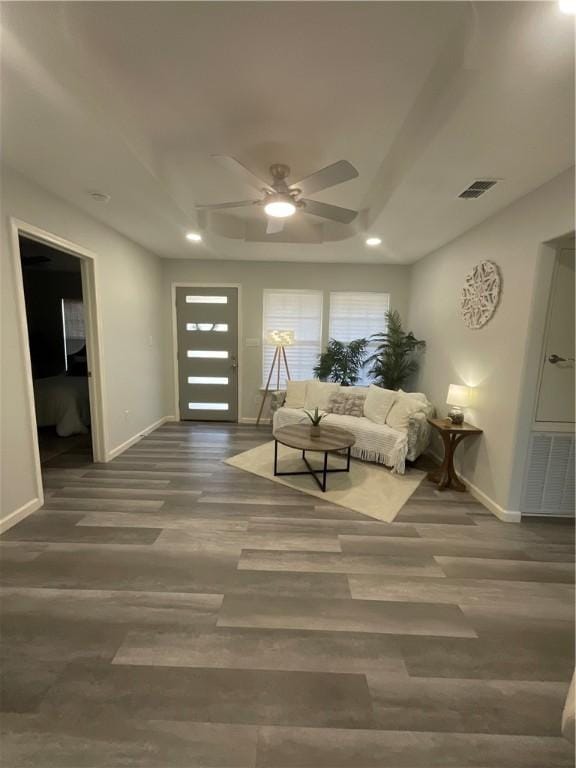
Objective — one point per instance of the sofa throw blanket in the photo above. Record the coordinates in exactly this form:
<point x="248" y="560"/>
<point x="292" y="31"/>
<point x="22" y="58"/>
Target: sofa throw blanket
<point x="374" y="442"/>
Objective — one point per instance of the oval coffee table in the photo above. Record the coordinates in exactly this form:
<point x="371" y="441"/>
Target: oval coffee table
<point x="329" y="439"/>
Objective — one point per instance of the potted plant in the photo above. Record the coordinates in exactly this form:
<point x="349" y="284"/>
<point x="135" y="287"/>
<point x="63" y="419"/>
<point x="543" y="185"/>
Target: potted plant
<point x="341" y="362"/>
<point x="315" y="417"/>
<point x="395" y="358"/>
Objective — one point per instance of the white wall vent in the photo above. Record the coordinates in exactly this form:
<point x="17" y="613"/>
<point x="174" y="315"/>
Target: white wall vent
<point x="549" y="482"/>
<point x="477" y="188"/>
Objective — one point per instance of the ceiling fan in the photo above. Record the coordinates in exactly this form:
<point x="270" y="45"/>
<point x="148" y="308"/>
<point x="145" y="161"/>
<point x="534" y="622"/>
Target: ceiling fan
<point x="281" y="200"/>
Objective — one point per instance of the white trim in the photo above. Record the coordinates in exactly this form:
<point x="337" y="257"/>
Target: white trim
<point x="506" y="515"/>
<point x="20" y="513"/>
<point x="25" y="347"/>
<point x="253" y="420"/>
<point x="93" y="334"/>
<point x="176" y="415"/>
<point x="114" y="452"/>
<point x="554" y="426"/>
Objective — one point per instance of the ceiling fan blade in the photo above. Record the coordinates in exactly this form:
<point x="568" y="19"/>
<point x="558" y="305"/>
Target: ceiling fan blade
<point x="332" y="212"/>
<point x="235" y="166"/>
<point x="274" y="226"/>
<point x="216" y="206"/>
<point x="333" y="174"/>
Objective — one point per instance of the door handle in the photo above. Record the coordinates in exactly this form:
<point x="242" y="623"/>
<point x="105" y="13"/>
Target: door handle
<point x="557" y="359"/>
<point x="233" y="363"/>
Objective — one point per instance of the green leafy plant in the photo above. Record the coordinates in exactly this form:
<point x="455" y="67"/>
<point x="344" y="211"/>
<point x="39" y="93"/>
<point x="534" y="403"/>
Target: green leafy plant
<point x="341" y="362"/>
<point x="395" y="359"/>
<point x="315" y="416"/>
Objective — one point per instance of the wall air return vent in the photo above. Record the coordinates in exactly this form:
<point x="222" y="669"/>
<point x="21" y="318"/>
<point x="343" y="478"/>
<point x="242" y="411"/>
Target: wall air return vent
<point x="549" y="482"/>
<point x="477" y="188"/>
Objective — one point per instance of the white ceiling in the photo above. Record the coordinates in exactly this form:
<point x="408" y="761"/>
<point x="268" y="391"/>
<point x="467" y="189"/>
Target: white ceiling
<point x="132" y="98"/>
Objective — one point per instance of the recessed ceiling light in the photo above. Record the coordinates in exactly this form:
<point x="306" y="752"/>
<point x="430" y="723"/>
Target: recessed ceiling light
<point x="99" y="197"/>
<point x="373" y="241"/>
<point x="568" y="6"/>
<point x="194" y="237"/>
<point x="280" y="207"/>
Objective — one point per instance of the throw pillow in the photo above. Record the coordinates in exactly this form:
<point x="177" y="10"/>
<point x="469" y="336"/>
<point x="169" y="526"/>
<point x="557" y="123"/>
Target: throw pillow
<point x="378" y="403"/>
<point x="296" y="394"/>
<point x="400" y="413"/>
<point x="318" y="394"/>
<point x="337" y="403"/>
<point x="414" y="395"/>
<point x="354" y="405"/>
<point x="346" y="403"/>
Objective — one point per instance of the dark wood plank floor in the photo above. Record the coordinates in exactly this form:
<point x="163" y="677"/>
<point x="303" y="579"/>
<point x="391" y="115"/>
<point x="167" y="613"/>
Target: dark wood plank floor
<point x="168" y="610"/>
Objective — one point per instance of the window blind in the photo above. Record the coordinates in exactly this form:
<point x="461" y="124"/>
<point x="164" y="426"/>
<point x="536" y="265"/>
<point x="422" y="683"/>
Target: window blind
<point x="73" y="327"/>
<point x="298" y="311"/>
<point x="357" y="316"/>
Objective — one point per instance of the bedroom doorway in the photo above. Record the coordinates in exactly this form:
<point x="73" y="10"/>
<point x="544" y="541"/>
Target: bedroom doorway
<point x="55" y="317"/>
<point x="59" y="339"/>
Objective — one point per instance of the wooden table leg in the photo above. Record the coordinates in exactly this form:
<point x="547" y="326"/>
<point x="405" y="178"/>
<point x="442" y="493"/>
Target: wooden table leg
<point x="445" y="476"/>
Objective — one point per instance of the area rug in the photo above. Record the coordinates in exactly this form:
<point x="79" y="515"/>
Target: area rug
<point x="368" y="488"/>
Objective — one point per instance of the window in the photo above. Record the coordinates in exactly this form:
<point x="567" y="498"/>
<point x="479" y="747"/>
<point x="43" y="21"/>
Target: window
<point x="208" y="353"/>
<point x="298" y="311"/>
<point x="208" y="380"/>
<point x="208" y="406"/>
<point x="73" y="327"/>
<point x="206" y="299"/>
<point x="356" y="316"/>
<point x="207" y="327"/>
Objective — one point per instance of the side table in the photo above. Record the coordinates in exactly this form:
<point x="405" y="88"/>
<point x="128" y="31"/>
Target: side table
<point x="452" y="435"/>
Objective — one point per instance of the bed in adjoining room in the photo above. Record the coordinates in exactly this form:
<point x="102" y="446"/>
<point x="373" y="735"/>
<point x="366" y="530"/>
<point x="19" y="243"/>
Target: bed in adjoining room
<point x="63" y="402"/>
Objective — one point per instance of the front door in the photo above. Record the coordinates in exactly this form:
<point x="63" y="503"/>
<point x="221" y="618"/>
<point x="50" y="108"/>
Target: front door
<point x="207" y="336"/>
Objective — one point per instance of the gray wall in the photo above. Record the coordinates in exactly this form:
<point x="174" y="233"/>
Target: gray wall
<point x="128" y="284"/>
<point x="254" y="277"/>
<point x="499" y="360"/>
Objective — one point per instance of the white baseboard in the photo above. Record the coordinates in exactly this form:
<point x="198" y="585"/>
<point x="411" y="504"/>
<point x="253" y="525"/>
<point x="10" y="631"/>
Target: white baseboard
<point x="506" y="515"/>
<point x="112" y="454"/>
<point x="31" y="506"/>
<point x="19" y="514"/>
<point x="253" y="420"/>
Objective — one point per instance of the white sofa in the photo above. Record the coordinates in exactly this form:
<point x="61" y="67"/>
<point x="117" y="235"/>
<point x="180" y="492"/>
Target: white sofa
<point x="379" y="443"/>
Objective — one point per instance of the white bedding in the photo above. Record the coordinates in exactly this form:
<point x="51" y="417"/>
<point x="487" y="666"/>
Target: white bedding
<point x="63" y="402"/>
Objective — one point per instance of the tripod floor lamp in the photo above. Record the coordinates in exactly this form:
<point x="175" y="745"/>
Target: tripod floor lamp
<point x="280" y="339"/>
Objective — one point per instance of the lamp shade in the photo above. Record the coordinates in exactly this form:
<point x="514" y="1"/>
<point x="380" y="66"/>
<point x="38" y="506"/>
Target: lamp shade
<point x="458" y="395"/>
<point x="280" y="338"/>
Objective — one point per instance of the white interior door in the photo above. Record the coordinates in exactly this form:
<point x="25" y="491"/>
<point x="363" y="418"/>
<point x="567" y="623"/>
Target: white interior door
<point x="556" y="395"/>
<point x="207" y="338"/>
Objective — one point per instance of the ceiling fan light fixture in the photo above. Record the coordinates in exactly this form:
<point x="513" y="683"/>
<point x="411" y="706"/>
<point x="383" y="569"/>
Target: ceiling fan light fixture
<point x="373" y="241"/>
<point x="280" y="207"/>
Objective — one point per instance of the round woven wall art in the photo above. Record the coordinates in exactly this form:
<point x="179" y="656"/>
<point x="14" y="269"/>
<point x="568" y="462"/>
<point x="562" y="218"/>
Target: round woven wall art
<point x="480" y="294"/>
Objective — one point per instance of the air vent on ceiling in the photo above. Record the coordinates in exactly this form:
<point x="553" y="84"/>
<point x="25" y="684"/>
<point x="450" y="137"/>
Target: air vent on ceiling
<point x="477" y="188"/>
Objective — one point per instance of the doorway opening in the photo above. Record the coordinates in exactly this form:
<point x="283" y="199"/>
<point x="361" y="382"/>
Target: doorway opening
<point x="56" y="323"/>
<point x="60" y="341"/>
<point x="548" y="480"/>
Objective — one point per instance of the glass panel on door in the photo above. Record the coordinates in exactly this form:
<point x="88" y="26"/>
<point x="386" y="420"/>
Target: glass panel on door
<point x="207" y="338"/>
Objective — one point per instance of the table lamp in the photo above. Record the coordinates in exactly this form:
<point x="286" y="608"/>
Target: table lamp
<point x="458" y="398"/>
